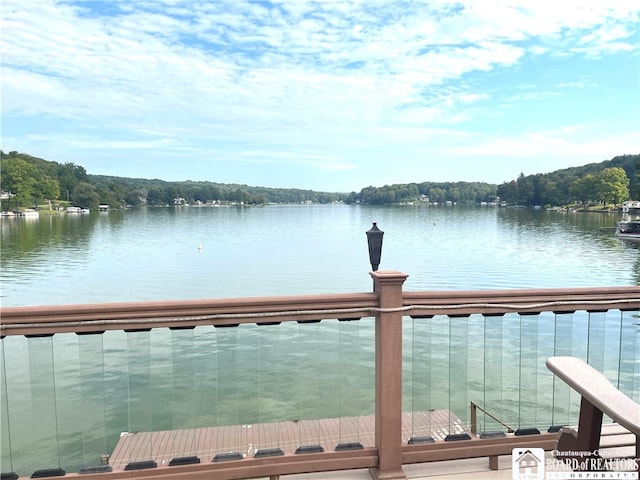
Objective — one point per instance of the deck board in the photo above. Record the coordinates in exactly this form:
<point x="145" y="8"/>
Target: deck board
<point x="615" y="440"/>
<point x="206" y="442"/>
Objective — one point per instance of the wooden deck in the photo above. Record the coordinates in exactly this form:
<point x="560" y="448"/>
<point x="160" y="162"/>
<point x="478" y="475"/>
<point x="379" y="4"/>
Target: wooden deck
<point x="615" y="440"/>
<point x="205" y="443"/>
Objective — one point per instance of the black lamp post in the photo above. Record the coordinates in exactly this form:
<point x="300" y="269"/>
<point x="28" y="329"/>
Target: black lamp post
<point x="374" y="239"/>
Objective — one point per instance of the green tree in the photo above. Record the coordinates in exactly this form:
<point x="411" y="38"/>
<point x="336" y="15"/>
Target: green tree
<point x="110" y="194"/>
<point x="508" y="192"/>
<point x="634" y="191"/>
<point x="69" y="176"/>
<point x="134" y="197"/>
<point x="613" y="185"/>
<point x="17" y="177"/>
<point x="525" y="191"/>
<point x="156" y="196"/>
<point x="47" y="189"/>
<point x="170" y="194"/>
<point x="85" y="195"/>
<point x="241" y="195"/>
<point x="585" y="188"/>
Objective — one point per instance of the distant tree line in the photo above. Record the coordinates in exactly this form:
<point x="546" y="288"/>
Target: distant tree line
<point x="609" y="182"/>
<point x="29" y="181"/>
<point x="159" y="192"/>
<point x="432" y="192"/>
<point x="26" y="181"/>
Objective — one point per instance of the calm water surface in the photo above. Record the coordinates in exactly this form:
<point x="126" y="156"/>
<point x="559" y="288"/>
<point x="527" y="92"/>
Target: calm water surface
<point x="65" y="399"/>
<point x="152" y="254"/>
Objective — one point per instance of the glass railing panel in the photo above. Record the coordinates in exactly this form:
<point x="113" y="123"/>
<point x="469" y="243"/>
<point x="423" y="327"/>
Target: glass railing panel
<point x="458" y="376"/>
<point x="440" y="360"/>
<point x="329" y="345"/>
<point x="511" y="374"/>
<point x="595" y="339"/>
<point x="349" y="382"/>
<point x="310" y="386"/>
<point x="629" y="359"/>
<point x="270" y="356"/>
<point x="366" y="379"/>
<point x="476" y="367"/>
<point x="139" y="397"/>
<point x="67" y="399"/>
<point x="561" y="392"/>
<point x="27" y="452"/>
<point x="183" y="393"/>
<point x="205" y="386"/>
<point x="489" y="418"/>
<point x="6" y="452"/>
<point x="286" y="385"/>
<point x="229" y="395"/>
<point x="417" y="391"/>
<point x="161" y="390"/>
<point x="528" y="372"/>
<point x="46" y="428"/>
<point x="116" y="387"/>
<point x="92" y="408"/>
<point x="580" y="335"/>
<point x="408" y="367"/>
<point x="611" y="345"/>
<point x="544" y="393"/>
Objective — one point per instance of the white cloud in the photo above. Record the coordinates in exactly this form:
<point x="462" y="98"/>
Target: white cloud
<point x="298" y="77"/>
<point x="567" y="142"/>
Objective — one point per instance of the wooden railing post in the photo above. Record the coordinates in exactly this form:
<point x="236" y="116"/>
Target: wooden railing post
<point x="388" y="389"/>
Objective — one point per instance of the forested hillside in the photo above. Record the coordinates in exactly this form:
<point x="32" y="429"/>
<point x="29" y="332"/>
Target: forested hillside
<point x="459" y="192"/>
<point x="609" y="182"/>
<point x="31" y="181"/>
<point x="27" y="181"/>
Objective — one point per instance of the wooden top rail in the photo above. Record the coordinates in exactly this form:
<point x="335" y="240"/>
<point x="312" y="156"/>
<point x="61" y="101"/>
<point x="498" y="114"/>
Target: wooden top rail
<point x="181" y="314"/>
<point x="47" y="320"/>
<point x="498" y="302"/>
<point x="594" y="386"/>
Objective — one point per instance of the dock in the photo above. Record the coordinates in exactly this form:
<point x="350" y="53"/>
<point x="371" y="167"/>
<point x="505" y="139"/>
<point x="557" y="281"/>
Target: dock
<point x="267" y="438"/>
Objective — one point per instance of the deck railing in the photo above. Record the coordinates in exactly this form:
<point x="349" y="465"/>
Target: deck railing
<point x="410" y="353"/>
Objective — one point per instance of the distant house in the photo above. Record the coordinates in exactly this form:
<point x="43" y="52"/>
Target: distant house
<point x="631" y="206"/>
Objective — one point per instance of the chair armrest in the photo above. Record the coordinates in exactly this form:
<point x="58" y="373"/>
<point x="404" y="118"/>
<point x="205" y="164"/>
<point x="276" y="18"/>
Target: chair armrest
<point x="600" y="392"/>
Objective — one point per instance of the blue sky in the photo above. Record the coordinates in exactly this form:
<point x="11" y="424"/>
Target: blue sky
<point x="327" y="95"/>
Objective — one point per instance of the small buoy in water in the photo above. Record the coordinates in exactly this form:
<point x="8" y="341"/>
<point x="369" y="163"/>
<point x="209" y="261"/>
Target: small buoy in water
<point x="200" y="246"/>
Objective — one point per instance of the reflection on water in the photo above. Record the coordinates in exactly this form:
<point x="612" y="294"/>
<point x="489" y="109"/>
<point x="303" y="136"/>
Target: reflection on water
<point x="152" y="254"/>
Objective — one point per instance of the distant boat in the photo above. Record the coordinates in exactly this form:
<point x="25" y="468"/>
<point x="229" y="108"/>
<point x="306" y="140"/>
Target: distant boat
<point x="85" y="210"/>
<point x="29" y="213"/>
<point x="74" y="209"/>
<point x="628" y="229"/>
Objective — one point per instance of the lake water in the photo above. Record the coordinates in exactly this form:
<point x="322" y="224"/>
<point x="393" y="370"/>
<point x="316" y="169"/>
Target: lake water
<point x="65" y="399"/>
<point x="152" y="254"/>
